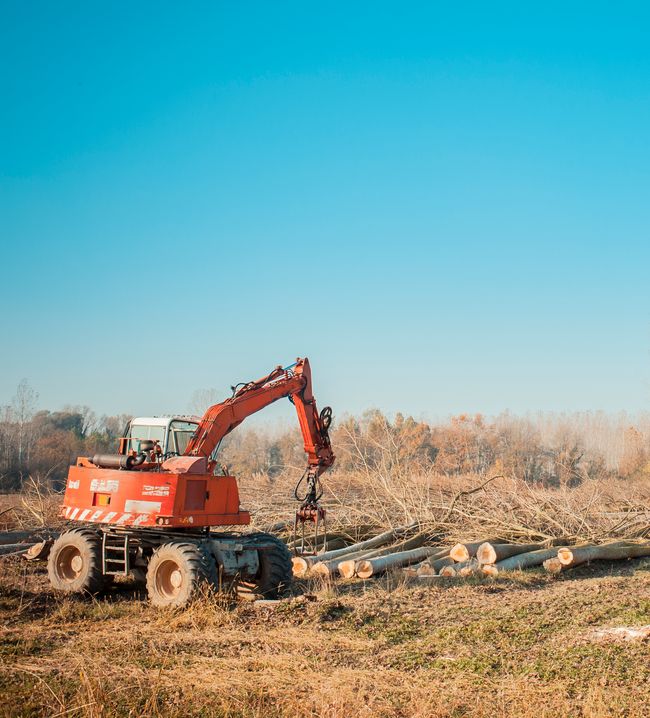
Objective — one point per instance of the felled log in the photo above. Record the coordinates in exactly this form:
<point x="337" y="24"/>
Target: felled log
<point x="462" y="552"/>
<point x="366" y="568"/>
<point x="9" y="537"/>
<point x="492" y="552"/>
<point x="616" y="551"/>
<point x="302" y="564"/>
<point x="327" y="568"/>
<point x="568" y="557"/>
<point x="432" y="568"/>
<point x="347" y="567"/>
<point x="520" y="561"/>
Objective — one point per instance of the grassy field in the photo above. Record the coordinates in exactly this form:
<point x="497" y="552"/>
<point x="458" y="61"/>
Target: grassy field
<point x="522" y="645"/>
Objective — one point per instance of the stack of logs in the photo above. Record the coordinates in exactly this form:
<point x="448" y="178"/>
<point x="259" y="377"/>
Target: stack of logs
<point x="492" y="558"/>
<point x="411" y="550"/>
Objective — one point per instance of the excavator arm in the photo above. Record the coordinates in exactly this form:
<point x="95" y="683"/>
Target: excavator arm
<point x="293" y="382"/>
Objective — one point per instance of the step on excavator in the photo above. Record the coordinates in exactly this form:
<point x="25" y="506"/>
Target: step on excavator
<point x="163" y="510"/>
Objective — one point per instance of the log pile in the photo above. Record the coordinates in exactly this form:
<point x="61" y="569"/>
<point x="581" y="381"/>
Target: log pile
<point x="416" y="553"/>
<point x="423" y="560"/>
<point x="491" y="559"/>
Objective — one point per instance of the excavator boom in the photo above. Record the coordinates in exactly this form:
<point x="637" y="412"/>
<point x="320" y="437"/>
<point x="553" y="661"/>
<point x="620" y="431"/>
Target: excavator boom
<point x="293" y="382"/>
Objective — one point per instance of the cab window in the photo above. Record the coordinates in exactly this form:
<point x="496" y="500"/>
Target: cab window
<point x="180" y="433"/>
<point x="140" y="432"/>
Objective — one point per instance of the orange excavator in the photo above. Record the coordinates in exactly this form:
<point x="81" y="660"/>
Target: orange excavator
<point x="155" y="508"/>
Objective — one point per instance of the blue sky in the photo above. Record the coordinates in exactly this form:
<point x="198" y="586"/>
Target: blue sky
<point x="445" y="206"/>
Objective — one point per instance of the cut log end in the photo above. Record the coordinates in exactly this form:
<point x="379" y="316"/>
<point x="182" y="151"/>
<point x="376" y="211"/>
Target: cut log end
<point x="470" y="569"/>
<point x="426" y="570"/>
<point x="300" y="566"/>
<point x="459" y="553"/>
<point x="364" y="569"/>
<point x="321" y="569"/>
<point x="565" y="556"/>
<point x="448" y="571"/>
<point x="490" y="569"/>
<point x="486" y="553"/>
<point x="553" y="565"/>
<point x="346" y="568"/>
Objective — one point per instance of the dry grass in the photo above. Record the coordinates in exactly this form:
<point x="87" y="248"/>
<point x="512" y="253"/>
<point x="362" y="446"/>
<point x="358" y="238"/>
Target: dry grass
<point x="37" y="506"/>
<point x="515" y="646"/>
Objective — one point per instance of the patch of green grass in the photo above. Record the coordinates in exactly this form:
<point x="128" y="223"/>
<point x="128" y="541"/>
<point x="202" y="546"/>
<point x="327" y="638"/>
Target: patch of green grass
<point x="17" y="646"/>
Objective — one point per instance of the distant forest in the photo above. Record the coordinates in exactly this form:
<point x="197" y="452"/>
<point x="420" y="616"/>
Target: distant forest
<point x="543" y="449"/>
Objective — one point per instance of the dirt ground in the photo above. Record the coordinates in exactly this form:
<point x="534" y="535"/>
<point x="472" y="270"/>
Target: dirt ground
<point x="521" y="645"/>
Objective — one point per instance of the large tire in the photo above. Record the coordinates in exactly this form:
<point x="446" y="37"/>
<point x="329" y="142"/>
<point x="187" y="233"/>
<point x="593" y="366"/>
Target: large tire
<point x="177" y="572"/>
<point x="75" y="562"/>
<point x="275" y="573"/>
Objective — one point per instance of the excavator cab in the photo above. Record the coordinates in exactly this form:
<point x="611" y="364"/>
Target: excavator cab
<point x="171" y="433"/>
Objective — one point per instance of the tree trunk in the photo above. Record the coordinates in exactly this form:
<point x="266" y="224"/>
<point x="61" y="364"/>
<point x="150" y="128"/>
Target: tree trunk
<point x="302" y="564"/>
<point x="375" y="566"/>
<point x="520" y="561"/>
<point x="491" y="553"/>
<point x="462" y="552"/>
<point x="618" y="550"/>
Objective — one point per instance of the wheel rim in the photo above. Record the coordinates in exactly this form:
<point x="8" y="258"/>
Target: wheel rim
<point x="169" y="579"/>
<point x="69" y="564"/>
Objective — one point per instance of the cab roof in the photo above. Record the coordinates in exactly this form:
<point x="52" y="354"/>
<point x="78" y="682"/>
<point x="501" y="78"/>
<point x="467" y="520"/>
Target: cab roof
<point x="164" y="420"/>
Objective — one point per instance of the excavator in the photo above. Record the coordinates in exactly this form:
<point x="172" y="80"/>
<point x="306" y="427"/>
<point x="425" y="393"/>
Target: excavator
<point x="159" y="508"/>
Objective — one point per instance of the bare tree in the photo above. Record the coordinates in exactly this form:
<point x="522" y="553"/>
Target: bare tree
<point x="202" y="399"/>
<point x="23" y="406"/>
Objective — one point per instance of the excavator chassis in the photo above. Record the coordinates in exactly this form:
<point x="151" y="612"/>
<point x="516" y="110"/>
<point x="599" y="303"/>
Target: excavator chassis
<point x="175" y="565"/>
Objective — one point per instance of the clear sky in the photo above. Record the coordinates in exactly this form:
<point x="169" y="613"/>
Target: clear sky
<point x="446" y="206"/>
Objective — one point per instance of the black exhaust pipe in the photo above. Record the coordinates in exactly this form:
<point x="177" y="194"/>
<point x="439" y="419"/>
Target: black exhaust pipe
<point x="118" y="461"/>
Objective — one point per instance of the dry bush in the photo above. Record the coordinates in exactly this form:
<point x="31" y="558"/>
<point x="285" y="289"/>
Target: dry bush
<point x="36" y="506"/>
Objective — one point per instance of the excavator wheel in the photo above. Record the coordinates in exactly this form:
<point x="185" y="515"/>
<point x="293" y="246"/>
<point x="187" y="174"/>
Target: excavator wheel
<point x="176" y="573"/>
<point x="275" y="573"/>
<point x="75" y="562"/>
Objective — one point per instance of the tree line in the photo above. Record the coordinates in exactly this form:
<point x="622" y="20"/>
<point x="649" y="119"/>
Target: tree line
<point x="44" y="443"/>
<point x="548" y="450"/>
